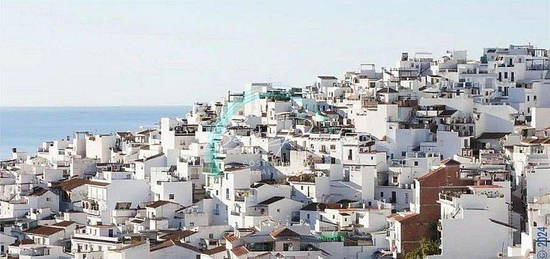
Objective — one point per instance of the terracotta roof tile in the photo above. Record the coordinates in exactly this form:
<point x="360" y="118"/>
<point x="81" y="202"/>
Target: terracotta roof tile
<point x="178" y="234"/>
<point x="238" y="251"/>
<point x="159" y="203"/>
<point x="284" y="232"/>
<point x="72" y="183"/>
<point x="271" y="200"/>
<point x="128" y="246"/>
<point x="43" y="231"/>
<point x="38" y="191"/>
<point x="215" y="250"/>
<point x="165" y="244"/>
<point x="402" y="218"/>
<point x="63" y="224"/>
<point x="230" y="237"/>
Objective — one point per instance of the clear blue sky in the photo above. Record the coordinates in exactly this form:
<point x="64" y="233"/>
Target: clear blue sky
<point x="82" y="53"/>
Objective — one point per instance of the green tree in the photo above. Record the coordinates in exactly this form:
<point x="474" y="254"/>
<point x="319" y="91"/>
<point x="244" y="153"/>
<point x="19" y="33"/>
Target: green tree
<point x="427" y="247"/>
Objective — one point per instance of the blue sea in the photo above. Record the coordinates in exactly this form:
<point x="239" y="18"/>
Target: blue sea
<point x="26" y="127"/>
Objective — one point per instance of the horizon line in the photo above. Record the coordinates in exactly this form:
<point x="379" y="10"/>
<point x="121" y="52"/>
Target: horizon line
<point x="90" y="106"/>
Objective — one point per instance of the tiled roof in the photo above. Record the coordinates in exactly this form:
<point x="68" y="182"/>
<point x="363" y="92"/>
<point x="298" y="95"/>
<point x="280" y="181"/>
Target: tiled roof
<point x="165" y="244"/>
<point x="178" y="234"/>
<point x="189" y="246"/>
<point x="98" y="183"/>
<point x="271" y="200"/>
<point x="284" y="232"/>
<point x="402" y="218"/>
<point x="128" y="246"/>
<point x="63" y="223"/>
<point x="159" y="203"/>
<point x="230" y="237"/>
<point x="72" y="183"/>
<point x="493" y="135"/>
<point x="38" y="191"/>
<point x="446" y="113"/>
<point x="43" y="231"/>
<point x="536" y="140"/>
<point x="450" y="162"/>
<point x="238" y="251"/>
<point x="154" y="156"/>
<point x="215" y="250"/>
<point x="327" y="77"/>
<point x="314" y="206"/>
<point x="23" y="242"/>
<point x="432" y="172"/>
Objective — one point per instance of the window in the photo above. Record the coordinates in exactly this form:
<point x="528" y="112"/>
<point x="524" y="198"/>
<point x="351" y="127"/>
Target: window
<point x="286" y="247"/>
<point x="211" y="236"/>
<point x="415" y="163"/>
<point x="278" y="210"/>
<point x="382" y="194"/>
<point x="171" y="196"/>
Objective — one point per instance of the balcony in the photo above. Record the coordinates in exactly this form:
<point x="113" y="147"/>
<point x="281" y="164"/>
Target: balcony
<point x="124" y="213"/>
<point x="537" y="65"/>
<point x="91" y="207"/>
